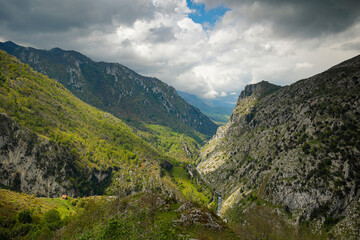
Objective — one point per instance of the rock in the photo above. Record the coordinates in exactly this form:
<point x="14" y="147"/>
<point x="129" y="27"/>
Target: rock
<point x="191" y="216"/>
<point x="35" y="165"/>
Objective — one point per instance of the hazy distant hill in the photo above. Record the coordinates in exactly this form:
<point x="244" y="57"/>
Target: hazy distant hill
<point x="217" y="113"/>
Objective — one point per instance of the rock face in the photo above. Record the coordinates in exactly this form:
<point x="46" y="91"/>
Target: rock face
<point x="296" y="146"/>
<point x="116" y="89"/>
<point x="34" y="165"/>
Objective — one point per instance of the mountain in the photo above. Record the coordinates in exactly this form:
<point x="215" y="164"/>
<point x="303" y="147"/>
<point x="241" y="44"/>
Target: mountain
<point x="51" y="138"/>
<point x="218" y="114"/>
<point x="290" y="155"/>
<point x="52" y="144"/>
<point x="141" y="102"/>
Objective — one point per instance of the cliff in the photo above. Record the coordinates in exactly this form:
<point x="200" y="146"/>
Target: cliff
<point x="296" y="147"/>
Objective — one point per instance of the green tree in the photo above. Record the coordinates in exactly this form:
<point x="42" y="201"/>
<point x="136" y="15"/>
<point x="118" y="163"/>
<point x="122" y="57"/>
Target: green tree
<point x="24" y="216"/>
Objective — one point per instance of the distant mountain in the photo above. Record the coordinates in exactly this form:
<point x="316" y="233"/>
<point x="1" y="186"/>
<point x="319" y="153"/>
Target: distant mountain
<point x="292" y="153"/>
<point x="217" y="113"/>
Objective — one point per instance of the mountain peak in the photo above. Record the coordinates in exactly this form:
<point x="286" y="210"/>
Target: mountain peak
<point x="258" y="89"/>
<point x="352" y="62"/>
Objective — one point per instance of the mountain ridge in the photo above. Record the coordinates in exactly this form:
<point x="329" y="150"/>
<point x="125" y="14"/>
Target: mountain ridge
<point x="76" y="81"/>
<point x="139" y="101"/>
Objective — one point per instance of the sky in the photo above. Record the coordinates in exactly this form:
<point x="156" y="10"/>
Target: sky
<point x="209" y="48"/>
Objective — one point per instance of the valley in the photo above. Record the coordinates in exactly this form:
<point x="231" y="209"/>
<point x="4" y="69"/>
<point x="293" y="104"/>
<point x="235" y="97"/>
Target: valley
<point x="93" y="150"/>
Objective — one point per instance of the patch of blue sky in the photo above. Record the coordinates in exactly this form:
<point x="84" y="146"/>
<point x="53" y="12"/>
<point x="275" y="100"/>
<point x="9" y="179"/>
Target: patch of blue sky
<point x="206" y="17"/>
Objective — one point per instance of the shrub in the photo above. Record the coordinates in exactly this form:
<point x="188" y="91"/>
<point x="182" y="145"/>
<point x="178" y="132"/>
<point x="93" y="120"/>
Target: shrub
<point x="4" y="234"/>
<point x="22" y="230"/>
<point x="306" y="148"/>
<point x="52" y="216"/>
<point x="24" y="216"/>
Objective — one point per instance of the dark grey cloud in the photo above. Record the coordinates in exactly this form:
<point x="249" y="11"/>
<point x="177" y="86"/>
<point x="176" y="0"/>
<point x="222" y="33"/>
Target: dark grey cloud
<point x="299" y="18"/>
<point x="55" y="16"/>
<point x="161" y="34"/>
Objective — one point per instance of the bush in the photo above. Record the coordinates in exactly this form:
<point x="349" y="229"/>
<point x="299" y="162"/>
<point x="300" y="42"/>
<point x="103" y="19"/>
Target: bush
<point x="41" y="233"/>
<point x="24" y="216"/>
<point x="4" y="234"/>
<point x="306" y="147"/>
<point x="52" y="216"/>
<point x="22" y="230"/>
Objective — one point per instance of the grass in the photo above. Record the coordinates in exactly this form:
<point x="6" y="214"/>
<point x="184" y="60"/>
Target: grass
<point x="189" y="188"/>
<point x="173" y="144"/>
<point x="15" y="202"/>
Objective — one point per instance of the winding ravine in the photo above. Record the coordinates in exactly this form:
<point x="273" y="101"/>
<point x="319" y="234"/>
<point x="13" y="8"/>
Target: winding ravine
<point x="218" y="210"/>
<point x="219" y="198"/>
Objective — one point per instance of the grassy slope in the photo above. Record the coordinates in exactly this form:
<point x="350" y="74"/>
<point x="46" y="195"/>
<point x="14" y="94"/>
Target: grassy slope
<point x="47" y="108"/>
<point x="99" y="218"/>
<point x="174" y="144"/>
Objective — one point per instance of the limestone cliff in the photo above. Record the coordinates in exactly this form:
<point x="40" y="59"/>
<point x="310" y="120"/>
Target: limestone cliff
<point x="296" y="147"/>
<point x="35" y="165"/>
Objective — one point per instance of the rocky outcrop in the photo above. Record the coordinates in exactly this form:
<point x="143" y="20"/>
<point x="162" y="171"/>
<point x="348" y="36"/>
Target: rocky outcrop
<point x="191" y="216"/>
<point x="296" y="146"/>
<point x="35" y="165"/>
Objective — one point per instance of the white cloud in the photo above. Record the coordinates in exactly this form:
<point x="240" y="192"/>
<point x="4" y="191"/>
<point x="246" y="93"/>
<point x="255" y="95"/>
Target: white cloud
<point x="303" y="65"/>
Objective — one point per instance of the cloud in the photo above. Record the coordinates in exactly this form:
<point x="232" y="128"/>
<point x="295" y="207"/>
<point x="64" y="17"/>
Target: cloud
<point x="302" y="19"/>
<point x="54" y="16"/>
<point x="278" y="41"/>
<point x="303" y="65"/>
<point x="161" y="34"/>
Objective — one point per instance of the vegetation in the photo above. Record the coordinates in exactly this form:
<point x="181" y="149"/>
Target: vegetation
<point x="189" y="186"/>
<point x="141" y="216"/>
<point x="174" y="144"/>
<point x="97" y="139"/>
<point x="256" y="218"/>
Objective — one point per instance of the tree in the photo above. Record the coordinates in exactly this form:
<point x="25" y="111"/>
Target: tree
<point x="24" y="216"/>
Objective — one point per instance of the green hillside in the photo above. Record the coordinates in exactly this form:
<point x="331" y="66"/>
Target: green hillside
<point x="47" y="108"/>
<point x="99" y="142"/>
<point x="137" y="100"/>
<point x="147" y="216"/>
